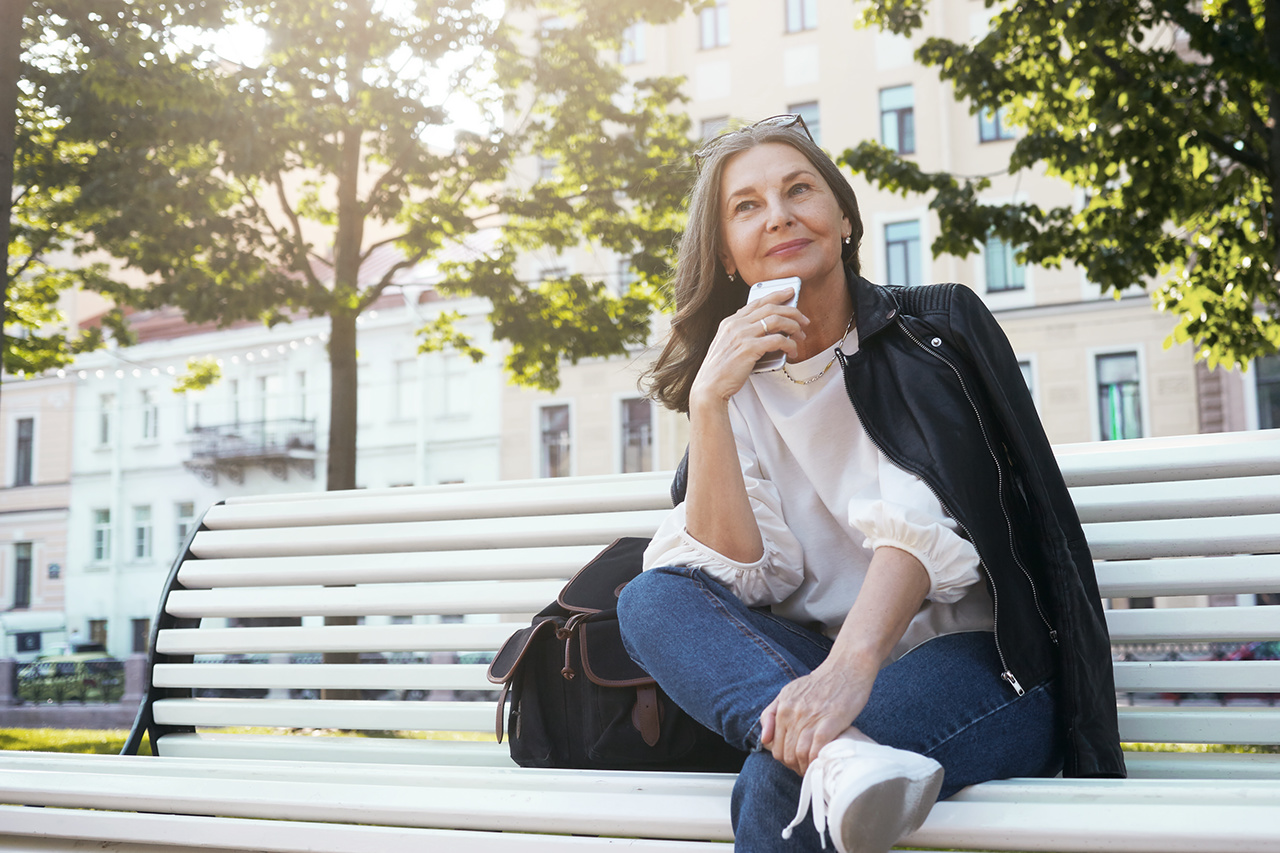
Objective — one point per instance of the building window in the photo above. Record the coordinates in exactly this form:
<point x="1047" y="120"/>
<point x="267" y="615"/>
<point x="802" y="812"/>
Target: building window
<point x="98" y="633"/>
<point x="150" y="417"/>
<point x="902" y="253"/>
<point x="234" y="388"/>
<point x="24" y="451"/>
<point x="637" y="435"/>
<point x="812" y="118"/>
<point x="713" y="127"/>
<point x="992" y="126"/>
<point x="141" y="636"/>
<point x="1119" y="396"/>
<point x="186" y="515"/>
<point x="300" y="395"/>
<point x="632" y="51"/>
<point x="142" y="532"/>
<point x="713" y="23"/>
<point x="1268" y="370"/>
<point x="555" y="444"/>
<point x="21" y="575"/>
<point x="898" y="119"/>
<point x="802" y="15"/>
<point x="101" y="535"/>
<point x="106" y="405"/>
<point x="1003" y="270"/>
<point x="626" y="274"/>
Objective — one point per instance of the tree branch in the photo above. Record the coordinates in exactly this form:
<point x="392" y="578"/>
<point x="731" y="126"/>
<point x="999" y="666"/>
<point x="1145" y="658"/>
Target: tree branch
<point x="300" y="243"/>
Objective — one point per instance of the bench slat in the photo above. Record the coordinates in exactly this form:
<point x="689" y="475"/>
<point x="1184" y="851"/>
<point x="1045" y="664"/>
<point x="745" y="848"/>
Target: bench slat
<point x="328" y="714"/>
<point x="1231" y="725"/>
<point x="1196" y="499"/>
<point x="1153" y="460"/>
<point x="494" y="564"/>
<point x="50" y="830"/>
<point x="324" y="676"/>
<point x="1212" y="676"/>
<point x="1198" y="624"/>
<point x="432" y="797"/>
<point x="1191" y="537"/>
<point x="362" y="750"/>
<point x="1236" y="574"/>
<point x="598" y="529"/>
<point x="332" y="638"/>
<point x="367" y="599"/>
<point x="589" y="482"/>
<point x="622" y="494"/>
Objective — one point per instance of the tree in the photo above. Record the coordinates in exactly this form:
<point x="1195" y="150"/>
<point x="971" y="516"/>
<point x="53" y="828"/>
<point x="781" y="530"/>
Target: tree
<point x="1164" y="113"/>
<point x="263" y="189"/>
<point x="72" y="117"/>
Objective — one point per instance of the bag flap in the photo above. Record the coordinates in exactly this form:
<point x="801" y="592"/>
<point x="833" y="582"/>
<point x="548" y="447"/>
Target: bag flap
<point x="605" y="659"/>
<point x="513" y="650"/>
<point x="596" y="585"/>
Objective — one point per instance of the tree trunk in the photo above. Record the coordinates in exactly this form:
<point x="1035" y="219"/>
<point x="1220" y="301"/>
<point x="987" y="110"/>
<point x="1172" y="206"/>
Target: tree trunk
<point x="343" y="398"/>
<point x="10" y="69"/>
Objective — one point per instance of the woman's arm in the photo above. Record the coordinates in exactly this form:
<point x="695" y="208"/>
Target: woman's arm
<point x="718" y="511"/>
<point x="814" y="709"/>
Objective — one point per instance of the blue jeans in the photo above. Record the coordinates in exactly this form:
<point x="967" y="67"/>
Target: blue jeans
<point x="723" y="662"/>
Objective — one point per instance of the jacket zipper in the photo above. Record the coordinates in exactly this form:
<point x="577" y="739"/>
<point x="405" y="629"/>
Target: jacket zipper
<point x="1007" y="674"/>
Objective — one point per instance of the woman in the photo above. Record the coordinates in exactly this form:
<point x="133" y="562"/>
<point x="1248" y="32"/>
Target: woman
<point x="881" y="602"/>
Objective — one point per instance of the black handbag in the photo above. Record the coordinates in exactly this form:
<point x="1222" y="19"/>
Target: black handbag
<point x="577" y="698"/>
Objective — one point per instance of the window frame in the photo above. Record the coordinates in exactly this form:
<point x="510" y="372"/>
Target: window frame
<point x="100" y="538"/>
<point x="143" y="538"/>
<point x="903" y="118"/>
<point x="542" y="463"/>
<point x="1095" y="357"/>
<point x="993" y="129"/>
<point x="713" y="21"/>
<point x="888" y="252"/>
<point x="800" y="16"/>
<point x="23" y="575"/>
<point x="622" y="435"/>
<point x="24" y="451"/>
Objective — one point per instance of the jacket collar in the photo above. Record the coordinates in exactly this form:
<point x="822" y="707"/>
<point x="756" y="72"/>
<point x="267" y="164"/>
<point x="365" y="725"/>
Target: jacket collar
<point x="874" y="306"/>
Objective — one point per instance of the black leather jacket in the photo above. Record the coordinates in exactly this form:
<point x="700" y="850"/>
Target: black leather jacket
<point x="937" y="387"/>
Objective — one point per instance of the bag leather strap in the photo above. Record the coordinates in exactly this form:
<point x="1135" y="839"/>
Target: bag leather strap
<point x="645" y="715"/>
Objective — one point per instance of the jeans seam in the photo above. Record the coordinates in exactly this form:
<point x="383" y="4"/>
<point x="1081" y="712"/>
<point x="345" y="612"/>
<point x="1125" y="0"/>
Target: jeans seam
<point x="976" y="720"/>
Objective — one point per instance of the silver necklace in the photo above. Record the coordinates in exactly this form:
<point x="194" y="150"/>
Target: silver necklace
<point x="823" y="371"/>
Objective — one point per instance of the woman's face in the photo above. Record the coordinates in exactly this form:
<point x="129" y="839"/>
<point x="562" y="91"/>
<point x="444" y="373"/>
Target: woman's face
<point x="778" y="217"/>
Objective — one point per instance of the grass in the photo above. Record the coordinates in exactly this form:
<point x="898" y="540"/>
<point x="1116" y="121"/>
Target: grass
<point x="110" y="741"/>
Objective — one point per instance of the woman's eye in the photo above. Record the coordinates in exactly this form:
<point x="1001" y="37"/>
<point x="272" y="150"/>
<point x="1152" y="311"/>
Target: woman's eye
<point x="796" y="189"/>
<point x="743" y="206"/>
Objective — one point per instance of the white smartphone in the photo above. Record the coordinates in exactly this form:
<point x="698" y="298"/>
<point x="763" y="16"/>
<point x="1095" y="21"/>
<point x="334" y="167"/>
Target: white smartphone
<point x="777" y="358"/>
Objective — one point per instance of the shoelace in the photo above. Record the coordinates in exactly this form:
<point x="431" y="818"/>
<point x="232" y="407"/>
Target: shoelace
<point x="813" y="789"/>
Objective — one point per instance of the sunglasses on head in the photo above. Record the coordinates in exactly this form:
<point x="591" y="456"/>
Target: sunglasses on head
<point x="779" y="121"/>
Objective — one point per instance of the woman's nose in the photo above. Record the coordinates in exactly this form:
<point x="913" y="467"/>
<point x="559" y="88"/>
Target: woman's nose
<point x="779" y="215"/>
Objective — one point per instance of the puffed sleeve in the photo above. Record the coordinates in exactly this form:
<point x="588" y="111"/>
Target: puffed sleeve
<point x="768" y="580"/>
<point x="908" y="516"/>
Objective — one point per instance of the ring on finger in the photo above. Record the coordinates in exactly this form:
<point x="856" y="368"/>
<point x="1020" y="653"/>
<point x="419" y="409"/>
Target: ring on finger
<point x="764" y="325"/>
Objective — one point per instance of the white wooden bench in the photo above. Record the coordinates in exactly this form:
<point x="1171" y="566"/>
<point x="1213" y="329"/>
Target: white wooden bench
<point x="1188" y="516"/>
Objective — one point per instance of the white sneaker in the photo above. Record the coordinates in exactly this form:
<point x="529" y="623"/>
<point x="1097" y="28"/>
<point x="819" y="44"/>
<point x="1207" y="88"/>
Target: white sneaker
<point x="868" y="794"/>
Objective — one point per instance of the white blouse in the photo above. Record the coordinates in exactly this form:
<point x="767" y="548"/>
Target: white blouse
<point x="825" y="498"/>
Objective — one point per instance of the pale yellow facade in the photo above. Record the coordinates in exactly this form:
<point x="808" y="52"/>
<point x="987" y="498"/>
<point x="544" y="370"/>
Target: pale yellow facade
<point x="35" y="437"/>
<point x="1060" y="326"/>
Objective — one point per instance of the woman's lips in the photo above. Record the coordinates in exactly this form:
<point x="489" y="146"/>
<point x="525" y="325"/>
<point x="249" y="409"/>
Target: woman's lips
<point x="789" y="246"/>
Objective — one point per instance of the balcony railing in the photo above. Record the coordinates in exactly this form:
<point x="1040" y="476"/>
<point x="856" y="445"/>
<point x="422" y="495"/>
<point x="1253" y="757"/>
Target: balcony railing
<point x="277" y="446"/>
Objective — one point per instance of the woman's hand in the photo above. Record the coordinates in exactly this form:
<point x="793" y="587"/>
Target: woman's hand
<point x="812" y="711"/>
<point x="745" y="336"/>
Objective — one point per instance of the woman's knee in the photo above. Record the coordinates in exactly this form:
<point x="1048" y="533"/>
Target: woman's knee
<point x="644" y="603"/>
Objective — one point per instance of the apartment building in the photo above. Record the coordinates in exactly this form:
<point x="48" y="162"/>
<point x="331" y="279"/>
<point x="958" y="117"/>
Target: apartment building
<point x="147" y="461"/>
<point x="1097" y="366"/>
<point x="35" y="443"/>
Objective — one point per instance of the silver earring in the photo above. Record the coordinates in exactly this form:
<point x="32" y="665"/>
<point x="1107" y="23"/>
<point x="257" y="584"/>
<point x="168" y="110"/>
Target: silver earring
<point x="732" y="277"/>
<point x="848" y="240"/>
